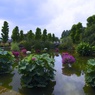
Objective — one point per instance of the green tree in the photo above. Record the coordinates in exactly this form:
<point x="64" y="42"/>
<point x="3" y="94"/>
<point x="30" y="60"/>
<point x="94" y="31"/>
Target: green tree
<point x="89" y="35"/>
<point x="90" y="20"/>
<point x="49" y="37"/>
<point x="53" y="37"/>
<point x="30" y="35"/>
<point x="75" y="32"/>
<point x="44" y="35"/>
<point x="38" y="34"/>
<point x="5" y="32"/>
<point x="65" y="33"/>
<point x="15" y="34"/>
<point x="21" y="35"/>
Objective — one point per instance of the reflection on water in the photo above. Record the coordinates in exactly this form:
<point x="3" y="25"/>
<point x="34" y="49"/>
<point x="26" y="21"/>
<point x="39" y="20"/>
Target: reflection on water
<point x="39" y="91"/>
<point x="89" y="90"/>
<point x="5" y="80"/>
<point x="68" y="80"/>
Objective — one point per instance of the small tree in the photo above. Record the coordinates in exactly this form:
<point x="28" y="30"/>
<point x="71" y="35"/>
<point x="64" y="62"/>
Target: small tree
<point x="5" y="31"/>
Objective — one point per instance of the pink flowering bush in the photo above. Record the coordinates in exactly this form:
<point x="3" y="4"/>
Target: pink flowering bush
<point x="67" y="58"/>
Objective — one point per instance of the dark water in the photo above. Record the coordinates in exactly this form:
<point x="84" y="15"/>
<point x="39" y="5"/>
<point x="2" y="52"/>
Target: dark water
<point x="68" y="80"/>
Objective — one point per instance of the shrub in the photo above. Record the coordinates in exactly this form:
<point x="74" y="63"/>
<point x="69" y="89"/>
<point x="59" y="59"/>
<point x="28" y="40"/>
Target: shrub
<point x="14" y="46"/>
<point x="26" y="44"/>
<point x="84" y="49"/>
<point x="36" y="70"/>
<point x="6" y="60"/>
<point x="90" y="73"/>
<point x="66" y="43"/>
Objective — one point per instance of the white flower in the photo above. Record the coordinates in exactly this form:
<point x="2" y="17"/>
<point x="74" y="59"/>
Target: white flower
<point x="28" y="52"/>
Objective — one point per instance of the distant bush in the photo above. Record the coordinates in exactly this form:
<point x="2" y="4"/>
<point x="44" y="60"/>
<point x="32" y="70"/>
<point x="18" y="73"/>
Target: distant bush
<point x="84" y="49"/>
<point x="66" y="43"/>
<point x="14" y="46"/>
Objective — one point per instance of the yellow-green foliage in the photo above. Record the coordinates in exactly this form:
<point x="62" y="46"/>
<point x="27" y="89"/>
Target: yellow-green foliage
<point x="14" y="46"/>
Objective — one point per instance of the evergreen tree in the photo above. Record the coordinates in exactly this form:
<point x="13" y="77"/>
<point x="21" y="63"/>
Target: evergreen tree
<point x="21" y="35"/>
<point x="15" y="34"/>
<point x="44" y="35"/>
<point x="30" y="35"/>
<point x="49" y="37"/>
<point x="5" y="32"/>
<point x="53" y="38"/>
<point x="38" y="34"/>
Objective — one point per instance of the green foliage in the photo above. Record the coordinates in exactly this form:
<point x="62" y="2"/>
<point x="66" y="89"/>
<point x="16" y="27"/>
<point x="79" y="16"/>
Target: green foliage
<point x="38" y="45"/>
<point x="90" y="73"/>
<point x="38" y="34"/>
<point x="36" y="70"/>
<point x="21" y="35"/>
<point x="90" y="20"/>
<point x="44" y="35"/>
<point x="6" y="60"/>
<point x="30" y="35"/>
<point x="5" y="31"/>
<point x="65" y="33"/>
<point x="84" y="49"/>
<point x="47" y="45"/>
<point x="14" y="46"/>
<point x="66" y="43"/>
<point x="89" y="34"/>
<point x="26" y="44"/>
<point x="75" y="32"/>
<point x="15" y="34"/>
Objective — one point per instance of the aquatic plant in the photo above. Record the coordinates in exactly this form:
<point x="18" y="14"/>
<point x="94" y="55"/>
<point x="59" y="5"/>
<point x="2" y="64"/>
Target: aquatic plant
<point x="6" y="61"/>
<point x="37" y="70"/>
<point x="67" y="58"/>
<point x="90" y="73"/>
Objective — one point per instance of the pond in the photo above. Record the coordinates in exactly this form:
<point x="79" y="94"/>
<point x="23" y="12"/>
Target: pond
<point x="68" y="80"/>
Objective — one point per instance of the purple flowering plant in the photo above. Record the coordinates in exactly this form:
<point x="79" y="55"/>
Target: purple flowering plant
<point x="16" y="53"/>
<point x="67" y="58"/>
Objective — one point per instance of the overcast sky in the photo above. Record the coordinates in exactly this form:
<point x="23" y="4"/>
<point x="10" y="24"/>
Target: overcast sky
<point x="53" y="15"/>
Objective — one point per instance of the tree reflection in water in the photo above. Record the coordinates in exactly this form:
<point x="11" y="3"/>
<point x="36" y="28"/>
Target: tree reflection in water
<point x="5" y="80"/>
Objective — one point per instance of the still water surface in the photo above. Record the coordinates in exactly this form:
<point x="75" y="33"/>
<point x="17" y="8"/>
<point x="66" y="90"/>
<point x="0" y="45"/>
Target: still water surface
<point x="68" y="81"/>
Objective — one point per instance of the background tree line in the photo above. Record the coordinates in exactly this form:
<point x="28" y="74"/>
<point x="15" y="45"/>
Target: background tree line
<point x="78" y="33"/>
<point x="75" y="35"/>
